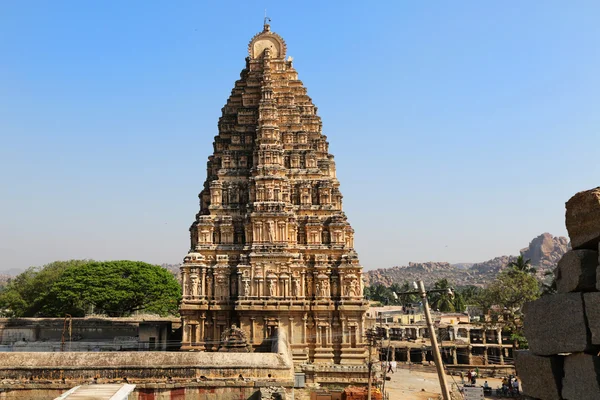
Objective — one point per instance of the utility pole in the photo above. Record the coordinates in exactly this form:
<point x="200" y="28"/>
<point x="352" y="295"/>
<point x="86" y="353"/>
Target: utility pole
<point x="387" y="359"/>
<point x="372" y="337"/>
<point x="434" y="344"/>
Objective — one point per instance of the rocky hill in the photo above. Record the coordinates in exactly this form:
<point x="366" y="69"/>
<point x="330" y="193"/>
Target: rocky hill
<point x="544" y="252"/>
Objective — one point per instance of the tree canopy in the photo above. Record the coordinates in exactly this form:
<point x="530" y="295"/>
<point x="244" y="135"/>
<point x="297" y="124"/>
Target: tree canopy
<point x="26" y="294"/>
<point x="114" y="288"/>
<point x="505" y="297"/>
<point x="522" y="265"/>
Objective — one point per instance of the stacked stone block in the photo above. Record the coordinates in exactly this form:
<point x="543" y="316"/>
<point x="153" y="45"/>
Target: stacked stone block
<point x="563" y="330"/>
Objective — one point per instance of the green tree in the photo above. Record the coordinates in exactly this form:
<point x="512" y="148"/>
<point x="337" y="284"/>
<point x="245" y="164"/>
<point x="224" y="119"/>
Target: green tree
<point x="442" y="301"/>
<point x="504" y="298"/>
<point x="406" y="298"/>
<point x="469" y="294"/>
<point x="522" y="265"/>
<point x="115" y="288"/>
<point x="380" y="293"/>
<point x="27" y="293"/>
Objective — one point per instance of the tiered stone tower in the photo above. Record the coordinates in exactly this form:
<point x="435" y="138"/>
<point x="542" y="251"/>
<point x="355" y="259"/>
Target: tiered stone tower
<point x="271" y="248"/>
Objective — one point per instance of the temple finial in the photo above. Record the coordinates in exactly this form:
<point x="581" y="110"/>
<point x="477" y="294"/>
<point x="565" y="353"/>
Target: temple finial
<point x="266" y="26"/>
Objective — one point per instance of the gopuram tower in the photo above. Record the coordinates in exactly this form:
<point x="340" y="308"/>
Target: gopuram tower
<point x="271" y="248"/>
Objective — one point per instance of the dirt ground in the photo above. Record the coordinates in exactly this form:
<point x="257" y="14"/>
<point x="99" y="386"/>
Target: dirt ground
<point x="407" y="384"/>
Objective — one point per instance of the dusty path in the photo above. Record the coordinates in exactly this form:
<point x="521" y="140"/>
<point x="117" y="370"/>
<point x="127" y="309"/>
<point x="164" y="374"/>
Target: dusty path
<point x="407" y="384"/>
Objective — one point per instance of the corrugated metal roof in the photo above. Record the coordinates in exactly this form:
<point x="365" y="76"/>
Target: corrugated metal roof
<point x="98" y="392"/>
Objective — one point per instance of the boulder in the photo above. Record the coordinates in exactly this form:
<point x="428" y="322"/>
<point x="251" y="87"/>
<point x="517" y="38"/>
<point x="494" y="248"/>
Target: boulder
<point x="556" y="324"/>
<point x="581" y="377"/>
<point x="583" y="219"/>
<point x="576" y="271"/>
<point x="541" y="377"/>
<point x="591" y="303"/>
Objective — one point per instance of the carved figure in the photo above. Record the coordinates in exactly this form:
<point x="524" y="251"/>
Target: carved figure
<point x="325" y="289"/>
<point x="271" y="288"/>
<point x="270" y="230"/>
<point x="246" y="288"/>
<point x="194" y="284"/>
<point x="297" y="287"/>
<point x="353" y="288"/>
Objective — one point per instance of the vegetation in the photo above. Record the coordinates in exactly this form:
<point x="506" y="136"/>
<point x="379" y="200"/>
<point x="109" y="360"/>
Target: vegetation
<point x="504" y="298"/>
<point x="26" y="294"/>
<point x="522" y="265"/>
<point x="395" y="295"/>
<point x="80" y="287"/>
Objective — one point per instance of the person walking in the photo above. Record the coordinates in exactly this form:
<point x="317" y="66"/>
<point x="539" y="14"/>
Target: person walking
<point x="515" y="385"/>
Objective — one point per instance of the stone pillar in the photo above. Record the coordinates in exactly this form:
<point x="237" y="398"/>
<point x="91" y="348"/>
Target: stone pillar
<point x="198" y="333"/>
<point x="408" y="355"/>
<point x="184" y="282"/>
<point x="470" y="352"/>
<point x="501" y="356"/>
<point x="203" y="287"/>
<point x="216" y="338"/>
<point x="454" y="356"/>
<point x="499" y="333"/>
<point x="291" y="327"/>
<point x="485" y="355"/>
<point x="423" y="356"/>
<point x="185" y="338"/>
<point x="344" y="335"/>
<point x="202" y="327"/>
<point x="393" y="350"/>
<point x="265" y="329"/>
<point x="303" y="285"/>
<point x="252" y="319"/>
<point x="484" y="338"/>
<point x="305" y="319"/>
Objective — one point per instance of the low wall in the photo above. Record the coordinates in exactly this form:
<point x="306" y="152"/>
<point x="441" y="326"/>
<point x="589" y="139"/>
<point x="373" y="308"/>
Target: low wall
<point x="144" y="366"/>
<point x="224" y="390"/>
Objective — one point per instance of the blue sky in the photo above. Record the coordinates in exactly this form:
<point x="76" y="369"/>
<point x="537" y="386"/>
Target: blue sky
<point x="459" y="128"/>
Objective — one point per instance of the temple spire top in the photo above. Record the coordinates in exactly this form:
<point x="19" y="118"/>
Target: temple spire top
<point x="266" y="26"/>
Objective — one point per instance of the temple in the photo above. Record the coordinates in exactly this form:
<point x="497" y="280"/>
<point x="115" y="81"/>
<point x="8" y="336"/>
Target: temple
<point x="271" y="248"/>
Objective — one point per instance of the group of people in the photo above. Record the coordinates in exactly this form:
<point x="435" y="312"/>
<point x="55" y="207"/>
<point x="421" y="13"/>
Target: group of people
<point x="510" y="385"/>
<point x="471" y="376"/>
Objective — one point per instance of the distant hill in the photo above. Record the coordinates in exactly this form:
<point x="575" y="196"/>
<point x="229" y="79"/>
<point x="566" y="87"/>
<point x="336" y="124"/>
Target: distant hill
<point x="544" y="252"/>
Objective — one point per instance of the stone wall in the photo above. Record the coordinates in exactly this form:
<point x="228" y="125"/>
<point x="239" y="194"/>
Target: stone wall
<point x="88" y="334"/>
<point x="225" y="390"/>
<point x="563" y="330"/>
<point x="144" y="366"/>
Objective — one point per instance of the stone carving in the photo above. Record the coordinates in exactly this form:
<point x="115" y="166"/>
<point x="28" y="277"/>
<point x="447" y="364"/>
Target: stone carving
<point x="271" y="198"/>
<point x="271" y="288"/>
<point x="194" y="284"/>
<point x="233" y="340"/>
<point x="270" y="230"/>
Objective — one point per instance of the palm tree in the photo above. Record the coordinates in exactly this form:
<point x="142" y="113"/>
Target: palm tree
<point x="522" y="265"/>
<point x="442" y="301"/>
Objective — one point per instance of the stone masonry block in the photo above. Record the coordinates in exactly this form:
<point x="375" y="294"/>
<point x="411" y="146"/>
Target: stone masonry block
<point x="592" y="312"/>
<point x="583" y="219"/>
<point x="581" y="377"/>
<point x="576" y="271"/>
<point x="541" y="377"/>
<point x="556" y="324"/>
